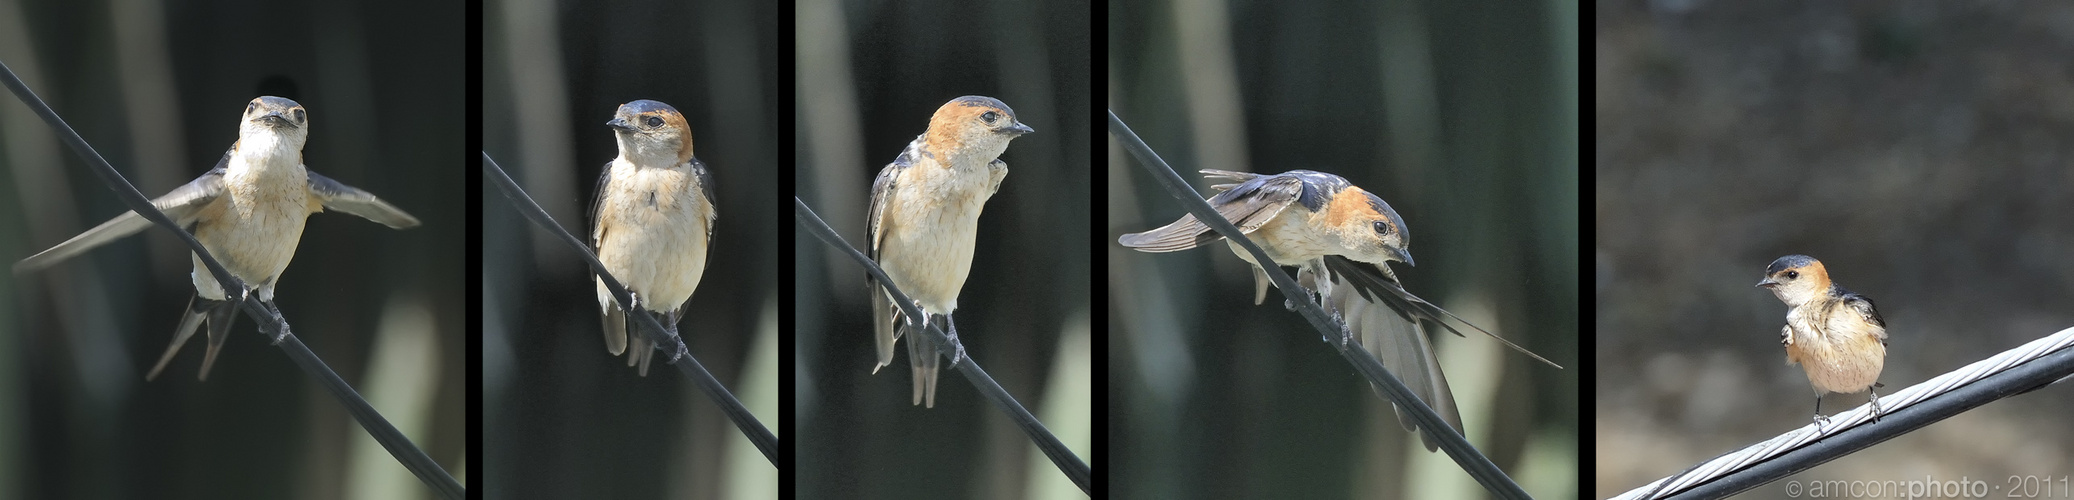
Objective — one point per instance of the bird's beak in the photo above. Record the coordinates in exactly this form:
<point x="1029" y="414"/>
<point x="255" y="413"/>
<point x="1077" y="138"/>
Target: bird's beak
<point x="620" y="123"/>
<point x="274" y="118"/>
<point x="1018" y="129"/>
<point x="1767" y="283"/>
<point x="1403" y="255"/>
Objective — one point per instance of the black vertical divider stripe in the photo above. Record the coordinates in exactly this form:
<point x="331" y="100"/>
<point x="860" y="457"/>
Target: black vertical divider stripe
<point x="466" y="160"/>
<point x="788" y="138"/>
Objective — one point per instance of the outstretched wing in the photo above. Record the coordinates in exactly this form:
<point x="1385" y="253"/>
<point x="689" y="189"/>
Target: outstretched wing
<point x="1381" y="286"/>
<point x="1392" y="332"/>
<point x="182" y="205"/>
<point x="336" y="195"/>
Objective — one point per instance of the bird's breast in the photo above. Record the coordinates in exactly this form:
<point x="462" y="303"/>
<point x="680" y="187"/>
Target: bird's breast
<point x="254" y="227"/>
<point x="931" y="227"/>
<point x="1839" y="355"/>
<point x="655" y="241"/>
<point x="1289" y="238"/>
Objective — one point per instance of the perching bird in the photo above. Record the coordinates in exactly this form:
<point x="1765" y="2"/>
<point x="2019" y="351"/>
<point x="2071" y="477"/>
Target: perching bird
<point x="924" y="219"/>
<point x="652" y="222"/>
<point x="1834" y="335"/>
<point x="248" y="212"/>
<point x="1341" y="237"/>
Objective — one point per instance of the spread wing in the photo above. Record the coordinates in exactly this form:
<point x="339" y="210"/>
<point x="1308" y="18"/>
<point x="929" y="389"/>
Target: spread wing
<point x="1248" y="205"/>
<point x="182" y="205"/>
<point x="1381" y="286"/>
<point x="1383" y="326"/>
<point x="883" y="312"/>
<point x="338" y="196"/>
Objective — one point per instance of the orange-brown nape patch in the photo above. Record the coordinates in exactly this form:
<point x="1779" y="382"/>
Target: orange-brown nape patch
<point x="1348" y="205"/>
<point x="673" y="120"/>
<point x="1816" y="273"/>
<point x="947" y="127"/>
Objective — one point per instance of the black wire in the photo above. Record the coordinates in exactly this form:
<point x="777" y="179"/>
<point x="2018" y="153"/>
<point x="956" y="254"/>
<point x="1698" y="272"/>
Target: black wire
<point x="271" y="322"/>
<point x="1450" y="441"/>
<point x="1063" y="457"/>
<point x="751" y="428"/>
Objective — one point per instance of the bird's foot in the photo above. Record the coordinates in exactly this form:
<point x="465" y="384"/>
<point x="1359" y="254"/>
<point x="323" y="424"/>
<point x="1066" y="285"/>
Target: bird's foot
<point x="957" y="348"/>
<point x="1346" y="331"/>
<point x="677" y="351"/>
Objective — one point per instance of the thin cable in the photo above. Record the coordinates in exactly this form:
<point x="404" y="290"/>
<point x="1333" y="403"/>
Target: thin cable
<point x="2016" y="371"/>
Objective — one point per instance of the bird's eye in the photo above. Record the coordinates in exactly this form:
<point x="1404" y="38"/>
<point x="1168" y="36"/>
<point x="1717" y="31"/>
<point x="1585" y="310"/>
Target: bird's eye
<point x="1792" y="274"/>
<point x="251" y="106"/>
<point x="1382" y="228"/>
<point x="990" y="117"/>
<point x="654" y="122"/>
<point x="300" y="115"/>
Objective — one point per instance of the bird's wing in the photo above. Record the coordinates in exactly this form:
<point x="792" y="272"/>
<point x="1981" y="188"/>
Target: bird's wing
<point x="883" y="312"/>
<point x="181" y="205"/>
<point x="612" y="319"/>
<point x="1247" y="205"/>
<point x="597" y="202"/>
<point x="1863" y="306"/>
<point x="705" y="178"/>
<point x="1381" y="286"/>
<point x="1393" y="333"/>
<point x="338" y="196"/>
<point x="1242" y="177"/>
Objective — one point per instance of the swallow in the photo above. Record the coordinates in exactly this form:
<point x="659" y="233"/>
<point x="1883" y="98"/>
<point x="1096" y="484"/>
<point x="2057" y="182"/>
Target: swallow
<point x="652" y="222"/>
<point x="248" y="212"/>
<point x="1836" y="336"/>
<point x="924" y="218"/>
<point x="1341" y="238"/>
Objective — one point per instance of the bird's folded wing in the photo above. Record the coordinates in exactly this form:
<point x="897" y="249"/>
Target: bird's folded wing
<point x="705" y="179"/>
<point x="883" y="312"/>
<point x="338" y="196"/>
<point x="1248" y="205"/>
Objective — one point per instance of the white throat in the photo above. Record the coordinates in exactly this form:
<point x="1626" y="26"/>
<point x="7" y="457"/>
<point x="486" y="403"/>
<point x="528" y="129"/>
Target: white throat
<point x="268" y="150"/>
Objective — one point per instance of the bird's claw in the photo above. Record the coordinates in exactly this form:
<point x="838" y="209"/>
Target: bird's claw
<point x="957" y="348"/>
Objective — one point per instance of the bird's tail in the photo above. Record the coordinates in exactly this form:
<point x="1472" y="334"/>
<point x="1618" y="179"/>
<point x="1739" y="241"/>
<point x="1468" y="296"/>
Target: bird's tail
<point x="921" y="355"/>
<point x="218" y="314"/>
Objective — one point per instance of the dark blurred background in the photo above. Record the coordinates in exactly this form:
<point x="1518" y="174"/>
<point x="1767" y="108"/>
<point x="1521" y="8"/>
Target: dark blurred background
<point x="1463" y="116"/>
<point x="870" y="75"/>
<point x="1919" y="149"/>
<point x="563" y="418"/>
<point x="157" y="89"/>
